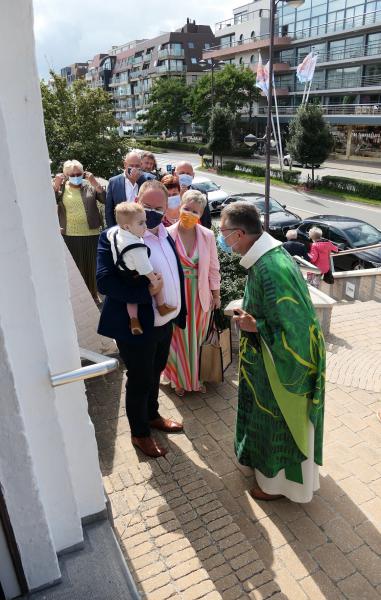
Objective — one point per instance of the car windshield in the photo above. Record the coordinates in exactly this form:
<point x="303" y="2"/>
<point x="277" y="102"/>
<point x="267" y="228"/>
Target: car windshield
<point x="273" y="205"/>
<point x="206" y="186"/>
<point x="362" y="234"/>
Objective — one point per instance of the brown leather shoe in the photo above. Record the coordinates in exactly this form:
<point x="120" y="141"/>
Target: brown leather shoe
<point x="259" y="494"/>
<point x="166" y="425"/>
<point x="148" y="446"/>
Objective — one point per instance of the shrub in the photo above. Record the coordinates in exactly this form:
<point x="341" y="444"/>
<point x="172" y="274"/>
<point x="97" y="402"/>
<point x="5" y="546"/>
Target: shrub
<point x="260" y="171"/>
<point x="366" y="189"/>
<point x="233" y="276"/>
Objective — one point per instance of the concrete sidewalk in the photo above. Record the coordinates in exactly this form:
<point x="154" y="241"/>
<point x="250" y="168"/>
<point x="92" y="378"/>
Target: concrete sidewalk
<point x="188" y="527"/>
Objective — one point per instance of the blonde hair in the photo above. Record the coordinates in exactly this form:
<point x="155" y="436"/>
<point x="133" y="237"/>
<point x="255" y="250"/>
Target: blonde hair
<point x="69" y="164"/>
<point x="194" y="196"/>
<point x="315" y="233"/>
<point x="152" y="184"/>
<point x="126" y="212"/>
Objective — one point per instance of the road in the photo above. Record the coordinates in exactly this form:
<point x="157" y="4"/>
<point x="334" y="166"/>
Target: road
<point x="303" y="204"/>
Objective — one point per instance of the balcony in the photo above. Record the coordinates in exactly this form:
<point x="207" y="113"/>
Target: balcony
<point x="170" y="53"/>
<point x="249" y="44"/>
<point x="332" y="109"/>
<point x="344" y="82"/>
<point x="364" y="20"/>
<point x="238" y="19"/>
<point x="161" y="69"/>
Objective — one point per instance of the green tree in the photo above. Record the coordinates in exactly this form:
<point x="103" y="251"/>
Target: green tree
<point x="234" y="88"/>
<point x="168" y="105"/>
<point x="310" y="138"/>
<point x="79" y="123"/>
<point x="220" y="131"/>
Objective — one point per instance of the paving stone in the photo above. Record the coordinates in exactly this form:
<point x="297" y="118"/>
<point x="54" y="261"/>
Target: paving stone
<point x="333" y="561"/>
<point x="319" y="587"/>
<point x="198" y="591"/>
<point x="265" y="591"/>
<point x="356" y="587"/>
<point x="368" y="563"/>
<point x="307" y="533"/>
<point x="149" y="571"/>
<point x="185" y="568"/>
<point x="297" y="560"/>
<point x="180" y="557"/>
<point x="340" y="532"/>
<point x="154" y="583"/>
<point x="191" y="579"/>
<point x="289" y="586"/>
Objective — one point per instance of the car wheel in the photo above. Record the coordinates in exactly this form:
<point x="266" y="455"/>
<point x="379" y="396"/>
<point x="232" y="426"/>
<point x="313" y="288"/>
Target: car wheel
<point x="286" y="162"/>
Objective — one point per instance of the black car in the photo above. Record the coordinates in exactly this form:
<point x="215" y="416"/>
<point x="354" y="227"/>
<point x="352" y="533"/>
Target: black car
<point x="280" y="219"/>
<point x="346" y="233"/>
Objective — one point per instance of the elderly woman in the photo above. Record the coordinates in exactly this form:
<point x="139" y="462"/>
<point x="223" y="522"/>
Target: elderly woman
<point x="77" y="193"/>
<point x="172" y="183"/>
<point x="196" y="247"/>
<point x="319" y="255"/>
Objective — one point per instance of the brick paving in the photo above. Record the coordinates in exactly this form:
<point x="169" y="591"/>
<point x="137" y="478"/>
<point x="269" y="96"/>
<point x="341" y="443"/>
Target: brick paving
<point x="188" y="527"/>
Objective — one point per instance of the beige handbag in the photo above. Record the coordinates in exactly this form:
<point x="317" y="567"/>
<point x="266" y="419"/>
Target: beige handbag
<point x="216" y="351"/>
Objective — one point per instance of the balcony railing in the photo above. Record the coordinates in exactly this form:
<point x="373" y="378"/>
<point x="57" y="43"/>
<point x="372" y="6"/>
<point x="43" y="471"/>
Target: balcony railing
<point x="350" y="51"/>
<point x="332" y="109"/>
<point x="170" y="69"/>
<point x="343" y="82"/>
<point x="365" y="19"/>
<point x="243" y="18"/>
<point x="170" y="53"/>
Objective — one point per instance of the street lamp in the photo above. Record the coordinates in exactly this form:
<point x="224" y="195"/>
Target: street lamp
<point x="273" y="5"/>
<point x="213" y="64"/>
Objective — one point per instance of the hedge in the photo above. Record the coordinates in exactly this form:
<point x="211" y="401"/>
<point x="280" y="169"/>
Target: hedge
<point x="260" y="171"/>
<point x="366" y="189"/>
<point x="242" y="151"/>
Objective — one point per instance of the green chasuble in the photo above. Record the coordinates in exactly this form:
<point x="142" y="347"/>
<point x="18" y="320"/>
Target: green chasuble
<point x="281" y="368"/>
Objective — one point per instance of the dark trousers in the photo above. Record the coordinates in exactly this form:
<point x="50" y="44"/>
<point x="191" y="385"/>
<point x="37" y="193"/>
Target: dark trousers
<point x="144" y="363"/>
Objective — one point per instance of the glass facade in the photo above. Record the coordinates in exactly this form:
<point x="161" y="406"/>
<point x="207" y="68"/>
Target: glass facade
<point x="319" y="17"/>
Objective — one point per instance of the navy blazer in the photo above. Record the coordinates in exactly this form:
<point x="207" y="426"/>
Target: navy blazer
<point x="114" y="321"/>
<point x="116" y="192"/>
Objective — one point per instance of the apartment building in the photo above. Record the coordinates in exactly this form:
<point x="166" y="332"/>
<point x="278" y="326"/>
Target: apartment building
<point x="74" y="72"/>
<point x="138" y="64"/>
<point x="346" y="34"/>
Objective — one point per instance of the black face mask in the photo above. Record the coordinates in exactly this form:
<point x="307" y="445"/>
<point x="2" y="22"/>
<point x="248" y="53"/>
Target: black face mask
<point x="154" y="218"/>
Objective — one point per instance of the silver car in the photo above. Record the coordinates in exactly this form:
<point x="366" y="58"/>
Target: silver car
<point x="213" y="192"/>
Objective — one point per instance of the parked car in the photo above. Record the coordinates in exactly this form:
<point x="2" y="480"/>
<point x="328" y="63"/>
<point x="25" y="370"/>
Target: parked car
<point x="280" y="219"/>
<point x="213" y="191"/>
<point x="346" y="233"/>
<point x="288" y="160"/>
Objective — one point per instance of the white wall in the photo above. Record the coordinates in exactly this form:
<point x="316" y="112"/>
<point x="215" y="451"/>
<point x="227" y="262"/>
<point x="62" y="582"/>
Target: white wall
<point x="35" y="311"/>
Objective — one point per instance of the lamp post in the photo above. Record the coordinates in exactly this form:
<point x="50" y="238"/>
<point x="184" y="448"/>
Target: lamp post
<point x="273" y="5"/>
<point x="213" y="64"/>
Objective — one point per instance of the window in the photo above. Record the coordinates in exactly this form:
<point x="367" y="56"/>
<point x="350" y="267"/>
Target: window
<point x="252" y="35"/>
<point x="240" y="39"/>
<point x="206" y="46"/>
<point x="194" y="78"/>
<point x="252" y="59"/>
<point x="190" y="45"/>
<point x="241" y="61"/>
<point x="194" y="60"/>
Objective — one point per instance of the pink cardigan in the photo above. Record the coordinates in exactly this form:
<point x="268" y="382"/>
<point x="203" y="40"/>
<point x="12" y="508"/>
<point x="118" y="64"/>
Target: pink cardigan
<point x="319" y="255"/>
<point x="208" y="266"/>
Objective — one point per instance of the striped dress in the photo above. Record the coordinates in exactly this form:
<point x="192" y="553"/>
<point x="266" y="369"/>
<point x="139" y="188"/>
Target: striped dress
<point x="182" y="366"/>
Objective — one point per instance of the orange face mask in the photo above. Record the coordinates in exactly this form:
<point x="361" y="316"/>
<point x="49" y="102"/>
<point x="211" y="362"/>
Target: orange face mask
<point x="189" y="220"/>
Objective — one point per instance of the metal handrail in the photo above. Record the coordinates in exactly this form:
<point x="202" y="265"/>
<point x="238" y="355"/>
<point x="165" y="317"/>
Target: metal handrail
<point x="354" y="250"/>
<point x="102" y="365"/>
<point x="304" y="263"/>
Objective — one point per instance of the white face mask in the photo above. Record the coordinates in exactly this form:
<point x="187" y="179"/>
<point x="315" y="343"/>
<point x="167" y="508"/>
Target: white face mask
<point x="185" y="180"/>
<point x="174" y="201"/>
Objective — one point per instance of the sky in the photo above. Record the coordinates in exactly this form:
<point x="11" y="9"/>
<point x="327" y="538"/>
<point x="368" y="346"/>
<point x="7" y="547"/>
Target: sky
<point x="76" y="30"/>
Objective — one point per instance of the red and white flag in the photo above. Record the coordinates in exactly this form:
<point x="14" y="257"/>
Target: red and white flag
<point x="305" y="71"/>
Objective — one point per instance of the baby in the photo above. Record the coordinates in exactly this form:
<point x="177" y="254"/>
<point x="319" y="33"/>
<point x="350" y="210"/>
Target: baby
<point x="131" y="256"/>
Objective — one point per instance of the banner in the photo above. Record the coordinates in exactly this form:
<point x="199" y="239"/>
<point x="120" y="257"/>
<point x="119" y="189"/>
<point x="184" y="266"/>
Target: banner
<point x="305" y="71"/>
<point x="262" y="76"/>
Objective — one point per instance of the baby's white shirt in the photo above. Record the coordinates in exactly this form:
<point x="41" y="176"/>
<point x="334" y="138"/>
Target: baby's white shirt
<point x="136" y="259"/>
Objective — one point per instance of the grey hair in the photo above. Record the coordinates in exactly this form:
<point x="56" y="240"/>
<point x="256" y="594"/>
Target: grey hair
<point x="194" y="196"/>
<point x="69" y="164"/>
<point x="292" y="234"/>
<point x="315" y="233"/>
<point x="244" y="216"/>
<point x="133" y="153"/>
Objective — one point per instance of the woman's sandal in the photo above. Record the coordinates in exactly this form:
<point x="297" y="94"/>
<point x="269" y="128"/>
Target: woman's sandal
<point x="179" y="392"/>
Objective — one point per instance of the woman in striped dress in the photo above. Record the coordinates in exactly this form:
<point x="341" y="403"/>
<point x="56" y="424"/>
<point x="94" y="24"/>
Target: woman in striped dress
<point x="197" y="250"/>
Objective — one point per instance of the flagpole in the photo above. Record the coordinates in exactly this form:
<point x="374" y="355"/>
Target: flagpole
<point x="304" y="92"/>
<point x="279" y="136"/>
<point x="308" y="93"/>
